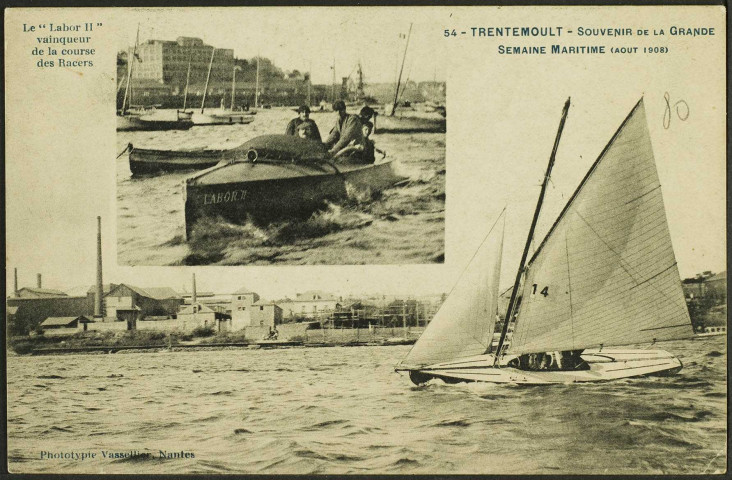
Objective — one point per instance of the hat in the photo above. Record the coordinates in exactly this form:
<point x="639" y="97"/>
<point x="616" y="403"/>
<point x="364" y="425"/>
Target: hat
<point x="339" y="105"/>
<point x="303" y="108"/>
<point x="367" y="112"/>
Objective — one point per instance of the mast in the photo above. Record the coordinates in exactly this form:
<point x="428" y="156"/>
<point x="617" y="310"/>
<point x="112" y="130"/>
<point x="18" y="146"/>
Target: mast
<point x="256" y="87"/>
<point x="130" y="59"/>
<point x="129" y="75"/>
<point x="233" y="87"/>
<point x="529" y="238"/>
<point x="310" y="80"/>
<point x="333" y="83"/>
<point x="188" y="78"/>
<point x="208" y="77"/>
<point x="399" y="80"/>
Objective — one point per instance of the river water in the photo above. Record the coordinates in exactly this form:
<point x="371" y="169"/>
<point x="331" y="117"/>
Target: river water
<point x="403" y="225"/>
<point x="344" y="410"/>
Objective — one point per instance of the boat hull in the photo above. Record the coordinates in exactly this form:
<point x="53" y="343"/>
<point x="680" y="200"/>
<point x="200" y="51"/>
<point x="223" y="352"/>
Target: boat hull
<point x="222" y="118"/>
<point x="604" y="365"/>
<point x="406" y="124"/>
<point x="267" y="192"/>
<point x="136" y="122"/>
<point x="147" y="161"/>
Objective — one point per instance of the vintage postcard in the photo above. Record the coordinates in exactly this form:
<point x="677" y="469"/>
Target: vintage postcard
<point x="366" y="240"/>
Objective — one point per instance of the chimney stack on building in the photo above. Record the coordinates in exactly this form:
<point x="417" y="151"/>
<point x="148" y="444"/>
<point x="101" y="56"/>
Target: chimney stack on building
<point x="98" y="297"/>
<point x="39" y="281"/>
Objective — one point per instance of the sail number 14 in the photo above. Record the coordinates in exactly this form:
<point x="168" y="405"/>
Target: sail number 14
<point x="544" y="291"/>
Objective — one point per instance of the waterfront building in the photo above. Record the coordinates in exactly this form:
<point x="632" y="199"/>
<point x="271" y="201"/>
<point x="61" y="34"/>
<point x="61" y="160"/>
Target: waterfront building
<point x="30" y="292"/>
<point x="167" y="62"/>
<point x="65" y="325"/>
<point x="28" y="313"/>
<point x="163" y="301"/>
<point x="309" y="304"/>
<point x="247" y="310"/>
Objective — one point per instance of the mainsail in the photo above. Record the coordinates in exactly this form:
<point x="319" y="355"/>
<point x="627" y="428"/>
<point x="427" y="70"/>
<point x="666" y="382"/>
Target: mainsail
<point x="606" y="273"/>
<point x="464" y="324"/>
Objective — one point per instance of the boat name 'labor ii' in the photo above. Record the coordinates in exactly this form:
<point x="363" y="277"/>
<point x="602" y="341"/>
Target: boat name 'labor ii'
<point x="224" y="197"/>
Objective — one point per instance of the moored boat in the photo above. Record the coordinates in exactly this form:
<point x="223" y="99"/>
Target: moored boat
<point x="147" y="161"/>
<point x="604" y="277"/>
<point x="150" y="122"/>
<point x="222" y="117"/>
<point x="277" y="176"/>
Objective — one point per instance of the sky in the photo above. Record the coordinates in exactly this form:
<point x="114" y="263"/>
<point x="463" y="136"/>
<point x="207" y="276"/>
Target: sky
<point x="312" y="41"/>
<point x="503" y="114"/>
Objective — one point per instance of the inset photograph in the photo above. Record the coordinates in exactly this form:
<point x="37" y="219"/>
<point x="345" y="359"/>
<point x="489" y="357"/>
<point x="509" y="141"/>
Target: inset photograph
<point x="254" y="149"/>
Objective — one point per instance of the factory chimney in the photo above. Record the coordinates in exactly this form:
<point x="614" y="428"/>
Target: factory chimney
<point x="98" y="297"/>
<point x="194" y="299"/>
<point x="39" y="281"/>
<point x="15" y="290"/>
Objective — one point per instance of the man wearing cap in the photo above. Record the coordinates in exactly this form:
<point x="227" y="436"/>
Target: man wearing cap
<point x="347" y="129"/>
<point x="302" y="118"/>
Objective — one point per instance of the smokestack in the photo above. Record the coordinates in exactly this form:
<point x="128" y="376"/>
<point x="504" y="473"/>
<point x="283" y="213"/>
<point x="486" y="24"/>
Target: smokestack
<point x="194" y="290"/>
<point x="16" y="282"/>
<point x="98" y="297"/>
<point x="39" y="281"/>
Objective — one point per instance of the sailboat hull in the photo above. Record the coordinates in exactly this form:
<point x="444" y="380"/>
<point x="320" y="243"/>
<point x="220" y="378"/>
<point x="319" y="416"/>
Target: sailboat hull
<point x="223" y="117"/>
<point x="604" y="365"/>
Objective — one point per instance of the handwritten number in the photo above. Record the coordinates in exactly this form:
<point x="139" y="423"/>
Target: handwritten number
<point x="533" y="289"/>
<point x="681" y="107"/>
<point x="545" y="291"/>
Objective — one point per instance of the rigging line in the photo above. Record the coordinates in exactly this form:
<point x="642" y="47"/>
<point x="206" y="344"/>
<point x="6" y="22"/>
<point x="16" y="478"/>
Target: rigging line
<point x="461" y="275"/>
<point x="621" y="262"/>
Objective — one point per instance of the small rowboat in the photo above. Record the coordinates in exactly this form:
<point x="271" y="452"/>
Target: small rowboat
<point x="145" y="161"/>
<point x="276" y="176"/>
<point x="222" y="117"/>
<point x="152" y="121"/>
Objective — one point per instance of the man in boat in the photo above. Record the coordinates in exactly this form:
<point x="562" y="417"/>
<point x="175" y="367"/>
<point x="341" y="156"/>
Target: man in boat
<point x="303" y="117"/>
<point x="366" y="114"/>
<point x="309" y="131"/>
<point x="347" y="129"/>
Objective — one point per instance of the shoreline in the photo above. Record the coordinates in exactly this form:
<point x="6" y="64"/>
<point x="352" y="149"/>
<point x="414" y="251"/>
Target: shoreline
<point x="110" y="349"/>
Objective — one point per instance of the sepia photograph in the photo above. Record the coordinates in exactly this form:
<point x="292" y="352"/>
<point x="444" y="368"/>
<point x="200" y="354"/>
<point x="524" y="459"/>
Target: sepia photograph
<point x="230" y="249"/>
<point x="241" y="146"/>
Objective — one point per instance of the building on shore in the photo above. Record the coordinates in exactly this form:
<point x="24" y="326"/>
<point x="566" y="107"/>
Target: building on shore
<point x="166" y="62"/>
<point x="312" y="304"/>
<point x="158" y="301"/>
<point x="65" y="325"/>
<point x="248" y="310"/>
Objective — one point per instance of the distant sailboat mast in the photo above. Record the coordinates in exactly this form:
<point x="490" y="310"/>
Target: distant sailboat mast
<point x="401" y="70"/>
<point x="529" y="238"/>
<point x="208" y="77"/>
<point x="256" y="86"/>
<point x="188" y="78"/>
<point x="130" y="59"/>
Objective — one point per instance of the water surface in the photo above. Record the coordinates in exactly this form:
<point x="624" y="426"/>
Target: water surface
<point x="344" y="410"/>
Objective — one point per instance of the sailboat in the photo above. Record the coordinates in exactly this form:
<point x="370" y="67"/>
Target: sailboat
<point x="391" y="122"/>
<point x="604" y="277"/>
<point x="143" y="119"/>
<point x="221" y="116"/>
